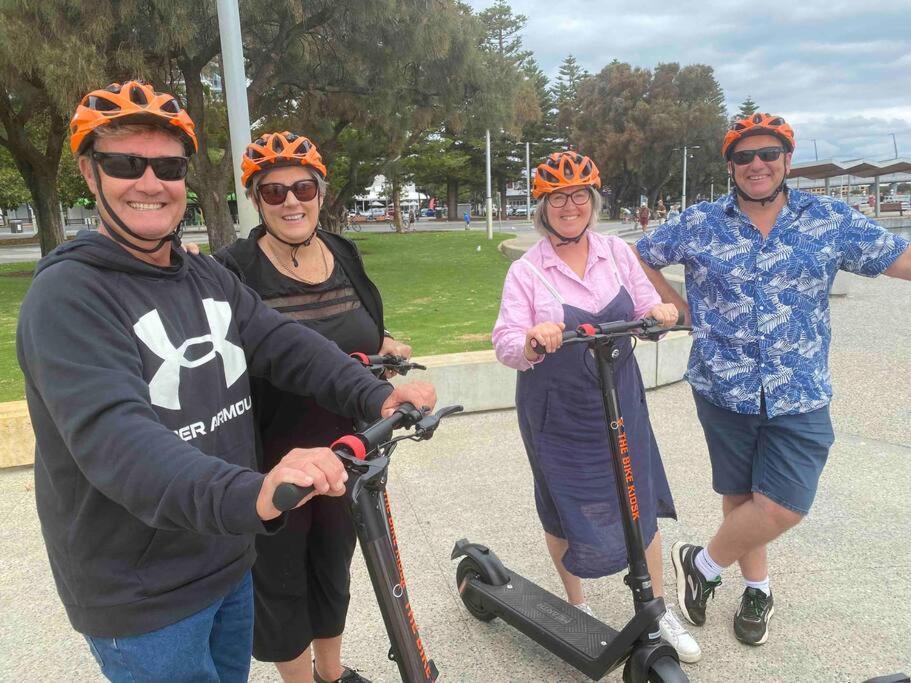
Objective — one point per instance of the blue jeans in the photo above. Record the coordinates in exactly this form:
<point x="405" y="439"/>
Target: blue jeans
<point x="211" y="645"/>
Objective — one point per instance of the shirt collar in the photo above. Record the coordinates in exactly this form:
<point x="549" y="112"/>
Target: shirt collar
<point x="597" y="249"/>
<point x="795" y="202"/>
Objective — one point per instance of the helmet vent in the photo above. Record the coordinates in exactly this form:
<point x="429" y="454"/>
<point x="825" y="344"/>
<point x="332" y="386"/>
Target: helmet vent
<point x="138" y="96"/>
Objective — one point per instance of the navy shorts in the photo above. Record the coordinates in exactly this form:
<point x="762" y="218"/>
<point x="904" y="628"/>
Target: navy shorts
<point x="781" y="457"/>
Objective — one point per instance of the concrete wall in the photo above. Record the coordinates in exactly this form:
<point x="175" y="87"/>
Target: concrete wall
<point x="475" y="380"/>
<point x="17" y="440"/>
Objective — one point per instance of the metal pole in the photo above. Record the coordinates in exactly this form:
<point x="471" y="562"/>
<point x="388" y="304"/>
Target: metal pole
<point x="527" y="181"/>
<point x="683" y="194"/>
<point x="236" y="99"/>
<point x="894" y="145"/>
<point x="815" y="152"/>
<point x="876" y="190"/>
<point x="712" y="192"/>
<point x="489" y="196"/>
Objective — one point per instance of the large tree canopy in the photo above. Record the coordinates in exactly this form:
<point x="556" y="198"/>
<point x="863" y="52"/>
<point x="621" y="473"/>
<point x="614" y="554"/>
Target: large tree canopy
<point x="634" y="123"/>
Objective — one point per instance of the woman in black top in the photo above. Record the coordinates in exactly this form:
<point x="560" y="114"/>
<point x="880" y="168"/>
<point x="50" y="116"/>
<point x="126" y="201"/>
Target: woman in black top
<point x="301" y="576"/>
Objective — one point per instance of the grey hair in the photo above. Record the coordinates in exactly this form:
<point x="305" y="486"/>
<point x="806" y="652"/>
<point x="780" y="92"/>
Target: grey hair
<point x="596" y="203"/>
<point x="321" y="184"/>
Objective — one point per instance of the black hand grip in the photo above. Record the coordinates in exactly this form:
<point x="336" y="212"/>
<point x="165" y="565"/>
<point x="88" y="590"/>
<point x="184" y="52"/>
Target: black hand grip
<point x="287" y="496"/>
<point x="681" y="319"/>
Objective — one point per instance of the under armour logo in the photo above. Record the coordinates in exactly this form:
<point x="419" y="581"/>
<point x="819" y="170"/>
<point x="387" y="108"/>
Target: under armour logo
<point x="164" y="389"/>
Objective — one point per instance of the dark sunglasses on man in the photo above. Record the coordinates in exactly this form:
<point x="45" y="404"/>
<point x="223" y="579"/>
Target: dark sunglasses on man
<point x="746" y="156"/>
<point x="131" y="167"/>
<point x="275" y="193"/>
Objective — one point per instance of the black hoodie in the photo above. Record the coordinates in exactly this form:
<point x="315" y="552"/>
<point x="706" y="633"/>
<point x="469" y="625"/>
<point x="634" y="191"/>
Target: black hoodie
<point x="138" y="390"/>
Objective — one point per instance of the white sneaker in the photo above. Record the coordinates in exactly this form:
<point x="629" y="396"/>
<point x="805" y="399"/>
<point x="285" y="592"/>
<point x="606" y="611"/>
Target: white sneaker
<point x="583" y="606"/>
<point x="679" y="638"/>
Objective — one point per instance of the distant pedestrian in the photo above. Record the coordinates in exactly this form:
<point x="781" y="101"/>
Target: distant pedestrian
<point x="644" y="215"/>
<point x="411" y="219"/>
<point x="660" y="211"/>
<point x="467" y="217"/>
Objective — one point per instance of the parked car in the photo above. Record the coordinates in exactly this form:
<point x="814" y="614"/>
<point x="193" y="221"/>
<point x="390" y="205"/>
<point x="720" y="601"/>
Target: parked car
<point x="521" y="210"/>
<point x="428" y="213"/>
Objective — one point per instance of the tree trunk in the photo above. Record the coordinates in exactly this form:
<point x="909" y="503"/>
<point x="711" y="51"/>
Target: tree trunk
<point x="396" y="203"/>
<point x="209" y="180"/>
<point x="217" y="215"/>
<point x="452" y="199"/>
<point x="46" y="203"/>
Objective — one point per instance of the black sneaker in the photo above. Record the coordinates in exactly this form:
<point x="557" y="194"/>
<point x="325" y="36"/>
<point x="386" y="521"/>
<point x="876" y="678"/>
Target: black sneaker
<point x="751" y="623"/>
<point x="693" y="589"/>
<point x="348" y="676"/>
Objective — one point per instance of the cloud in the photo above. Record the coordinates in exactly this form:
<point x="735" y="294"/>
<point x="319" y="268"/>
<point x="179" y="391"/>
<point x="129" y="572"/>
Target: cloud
<point x="839" y="69"/>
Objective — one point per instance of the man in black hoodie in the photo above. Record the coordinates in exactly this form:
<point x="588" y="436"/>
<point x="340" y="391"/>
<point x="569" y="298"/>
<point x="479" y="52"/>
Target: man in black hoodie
<point x="137" y="360"/>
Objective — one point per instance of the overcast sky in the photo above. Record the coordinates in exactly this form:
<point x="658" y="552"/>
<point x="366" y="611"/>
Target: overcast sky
<point x="839" y="72"/>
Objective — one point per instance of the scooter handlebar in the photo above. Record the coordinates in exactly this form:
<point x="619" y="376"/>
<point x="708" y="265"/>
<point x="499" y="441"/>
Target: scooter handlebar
<point x="358" y="446"/>
<point x="643" y="326"/>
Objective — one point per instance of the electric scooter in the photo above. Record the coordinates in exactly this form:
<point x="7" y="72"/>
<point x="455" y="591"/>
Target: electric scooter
<point x="366" y="456"/>
<point x="489" y="589"/>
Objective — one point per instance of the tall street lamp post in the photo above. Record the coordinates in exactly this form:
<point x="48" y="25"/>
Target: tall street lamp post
<point x="685" y="154"/>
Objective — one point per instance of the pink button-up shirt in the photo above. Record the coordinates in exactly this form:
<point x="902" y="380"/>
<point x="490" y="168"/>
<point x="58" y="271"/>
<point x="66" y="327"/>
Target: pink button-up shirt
<point x="527" y="301"/>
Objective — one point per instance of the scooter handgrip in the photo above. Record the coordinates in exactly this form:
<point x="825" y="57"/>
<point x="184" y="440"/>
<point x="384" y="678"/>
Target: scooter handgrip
<point x="681" y="318"/>
<point x="287" y="495"/>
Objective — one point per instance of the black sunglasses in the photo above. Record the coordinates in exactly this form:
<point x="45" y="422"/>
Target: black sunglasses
<point x="746" y="156"/>
<point x="131" y="167"/>
<point x="275" y="193"/>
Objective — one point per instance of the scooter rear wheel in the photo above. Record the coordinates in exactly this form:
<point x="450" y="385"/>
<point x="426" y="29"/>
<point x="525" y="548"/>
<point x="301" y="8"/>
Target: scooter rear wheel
<point x="469" y="569"/>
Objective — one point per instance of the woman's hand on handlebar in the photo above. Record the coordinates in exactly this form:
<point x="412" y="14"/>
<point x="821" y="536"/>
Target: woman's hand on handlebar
<point x="665" y="314"/>
<point x="391" y="347"/>
<point x="547" y="334"/>
<point x="421" y="395"/>
<point x="316" y="467"/>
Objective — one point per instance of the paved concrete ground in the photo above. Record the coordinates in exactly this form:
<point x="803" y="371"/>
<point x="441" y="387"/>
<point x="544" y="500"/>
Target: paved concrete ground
<point x="841" y="579"/>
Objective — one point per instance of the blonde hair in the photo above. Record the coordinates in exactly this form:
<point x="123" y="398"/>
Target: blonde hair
<point x="122" y="130"/>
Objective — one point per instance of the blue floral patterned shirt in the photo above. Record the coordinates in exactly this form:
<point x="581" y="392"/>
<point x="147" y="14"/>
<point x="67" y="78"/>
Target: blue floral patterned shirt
<point x="760" y="306"/>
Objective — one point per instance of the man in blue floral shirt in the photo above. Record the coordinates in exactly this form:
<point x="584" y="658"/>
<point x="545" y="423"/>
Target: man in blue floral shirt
<point x="759" y="265"/>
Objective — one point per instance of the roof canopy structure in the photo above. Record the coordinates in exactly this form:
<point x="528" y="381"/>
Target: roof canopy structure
<point x="861" y="168"/>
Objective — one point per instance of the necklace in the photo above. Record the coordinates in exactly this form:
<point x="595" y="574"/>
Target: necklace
<point x="291" y="272"/>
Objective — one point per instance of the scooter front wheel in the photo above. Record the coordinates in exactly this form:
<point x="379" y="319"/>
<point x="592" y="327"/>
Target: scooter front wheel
<point x="469" y="569"/>
<point x="662" y="670"/>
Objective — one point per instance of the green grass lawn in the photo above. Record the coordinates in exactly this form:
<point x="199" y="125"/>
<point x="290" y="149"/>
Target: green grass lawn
<point x="441" y="294"/>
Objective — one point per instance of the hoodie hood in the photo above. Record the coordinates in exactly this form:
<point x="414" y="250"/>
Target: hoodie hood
<point x="100" y="251"/>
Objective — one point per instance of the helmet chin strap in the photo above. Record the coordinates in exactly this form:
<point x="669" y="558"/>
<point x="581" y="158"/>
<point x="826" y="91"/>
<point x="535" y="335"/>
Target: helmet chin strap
<point x="563" y="240"/>
<point x="294" y="245"/>
<point x="173" y="236"/>
<point x="764" y="200"/>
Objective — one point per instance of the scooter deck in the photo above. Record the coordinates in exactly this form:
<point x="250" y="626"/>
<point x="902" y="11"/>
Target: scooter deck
<point x="531" y="609"/>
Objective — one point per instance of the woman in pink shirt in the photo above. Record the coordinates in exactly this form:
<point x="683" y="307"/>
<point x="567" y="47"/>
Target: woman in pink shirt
<point x="574" y="275"/>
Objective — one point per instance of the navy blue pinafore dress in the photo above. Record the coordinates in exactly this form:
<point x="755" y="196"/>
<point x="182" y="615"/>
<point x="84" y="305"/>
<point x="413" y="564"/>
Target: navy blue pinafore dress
<point x="561" y="419"/>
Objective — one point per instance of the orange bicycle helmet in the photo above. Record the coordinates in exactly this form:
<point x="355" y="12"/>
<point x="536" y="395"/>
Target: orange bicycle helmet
<point x="132" y="102"/>
<point x="565" y="169"/>
<point x="279" y="149"/>
<point x="758" y="124"/>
